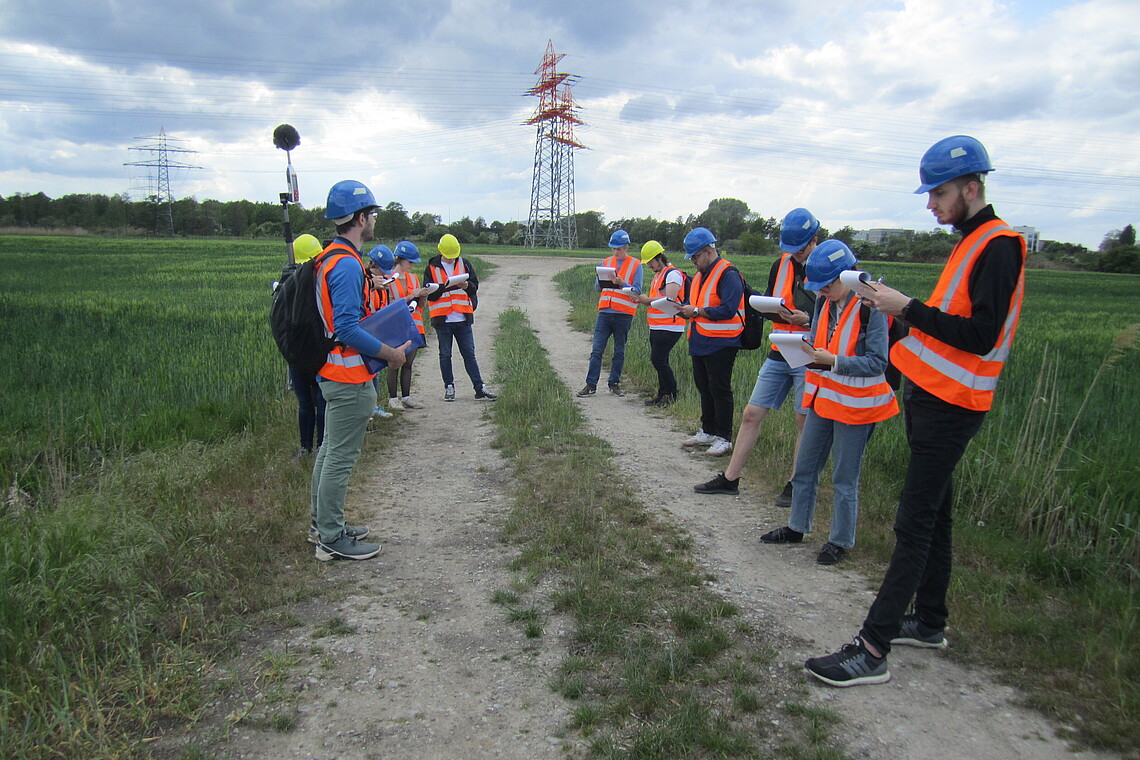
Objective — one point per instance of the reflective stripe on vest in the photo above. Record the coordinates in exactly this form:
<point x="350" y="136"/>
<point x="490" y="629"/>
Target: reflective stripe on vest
<point x="404" y="286"/>
<point x="615" y="298"/>
<point x="955" y="376"/>
<point x="846" y="399"/>
<point x="785" y="287"/>
<point x="704" y="286"/>
<point x="656" y="317"/>
<point x="453" y="301"/>
<point x="344" y="364"/>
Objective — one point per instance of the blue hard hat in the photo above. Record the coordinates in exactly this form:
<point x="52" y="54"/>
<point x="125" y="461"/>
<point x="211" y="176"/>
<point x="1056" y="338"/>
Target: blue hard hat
<point x="697" y="239"/>
<point x="382" y="257"/>
<point x="406" y="249"/>
<point x="826" y="262"/>
<point x="950" y="158"/>
<point x="797" y="230"/>
<point x="619" y="238"/>
<point x="346" y="198"/>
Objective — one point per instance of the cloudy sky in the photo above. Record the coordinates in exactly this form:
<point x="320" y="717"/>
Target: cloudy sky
<point x="827" y="104"/>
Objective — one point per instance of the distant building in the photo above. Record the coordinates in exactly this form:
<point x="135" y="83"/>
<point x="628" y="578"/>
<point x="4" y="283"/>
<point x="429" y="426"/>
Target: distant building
<point x="880" y="235"/>
<point x="1032" y="239"/>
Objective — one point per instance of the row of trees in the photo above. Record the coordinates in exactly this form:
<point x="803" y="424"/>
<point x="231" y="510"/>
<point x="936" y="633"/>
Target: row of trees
<point x="741" y="231"/>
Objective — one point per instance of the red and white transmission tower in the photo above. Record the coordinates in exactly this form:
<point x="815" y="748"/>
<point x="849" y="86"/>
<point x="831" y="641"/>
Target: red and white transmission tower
<point x="551" y="223"/>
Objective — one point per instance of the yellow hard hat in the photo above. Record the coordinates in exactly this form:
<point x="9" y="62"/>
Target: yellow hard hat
<point x="449" y="246"/>
<point x="650" y="250"/>
<point x="305" y="247"/>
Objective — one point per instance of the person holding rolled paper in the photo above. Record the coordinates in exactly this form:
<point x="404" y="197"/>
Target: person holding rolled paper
<point x="845" y="393"/>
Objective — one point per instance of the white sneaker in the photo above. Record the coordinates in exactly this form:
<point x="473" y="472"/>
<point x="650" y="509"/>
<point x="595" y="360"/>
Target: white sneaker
<point x="395" y="405"/>
<point x="410" y="404"/>
<point x="700" y="439"/>
<point x="719" y="447"/>
<point x="381" y="412"/>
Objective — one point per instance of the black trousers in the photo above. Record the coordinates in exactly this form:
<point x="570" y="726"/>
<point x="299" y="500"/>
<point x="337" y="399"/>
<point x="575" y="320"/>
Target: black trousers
<point x="712" y="374"/>
<point x="661" y="343"/>
<point x="938" y="434"/>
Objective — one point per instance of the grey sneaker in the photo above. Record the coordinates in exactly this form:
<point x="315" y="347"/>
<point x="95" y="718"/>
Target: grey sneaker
<point x="719" y="484"/>
<point x="345" y="547"/>
<point x="915" y="633"/>
<point x="785" y="497"/>
<point x="588" y="390"/>
<point x="449" y="393"/>
<point x="850" y="666"/>
<point x="352" y="531"/>
<point x="616" y="389"/>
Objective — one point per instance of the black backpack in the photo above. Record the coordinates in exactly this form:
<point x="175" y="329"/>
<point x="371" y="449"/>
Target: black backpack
<point x="296" y="321"/>
<point x="753" y="336"/>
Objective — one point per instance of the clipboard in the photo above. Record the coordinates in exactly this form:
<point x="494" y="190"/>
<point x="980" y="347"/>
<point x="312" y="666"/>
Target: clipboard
<point x="392" y="326"/>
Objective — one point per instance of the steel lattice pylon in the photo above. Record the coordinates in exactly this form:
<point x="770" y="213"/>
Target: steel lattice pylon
<point x="159" y="190"/>
<point x="551" y="223"/>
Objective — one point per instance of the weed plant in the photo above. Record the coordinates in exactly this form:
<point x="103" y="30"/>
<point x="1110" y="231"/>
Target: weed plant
<point x="1047" y="498"/>
<point x="660" y="667"/>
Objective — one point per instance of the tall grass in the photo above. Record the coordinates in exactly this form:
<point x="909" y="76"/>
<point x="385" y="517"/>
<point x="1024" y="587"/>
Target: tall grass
<point x="1047" y="497"/>
<point x="145" y="450"/>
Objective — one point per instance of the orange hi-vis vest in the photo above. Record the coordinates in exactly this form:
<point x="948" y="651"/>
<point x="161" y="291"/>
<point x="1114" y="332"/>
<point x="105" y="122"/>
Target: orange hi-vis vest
<point x="405" y="285"/>
<point x="846" y="399"/>
<point x="453" y="301"/>
<point x="955" y="376"/>
<point x="615" y="298"/>
<point x="785" y="287"/>
<point x="656" y="317"/>
<point x="704" y="296"/>
<point x="378" y="297"/>
<point x="344" y="365"/>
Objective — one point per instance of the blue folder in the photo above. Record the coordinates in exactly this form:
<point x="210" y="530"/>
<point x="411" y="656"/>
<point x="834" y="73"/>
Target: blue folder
<point x="392" y="326"/>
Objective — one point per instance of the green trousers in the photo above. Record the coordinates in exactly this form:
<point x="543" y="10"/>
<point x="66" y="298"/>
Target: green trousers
<point x="348" y="407"/>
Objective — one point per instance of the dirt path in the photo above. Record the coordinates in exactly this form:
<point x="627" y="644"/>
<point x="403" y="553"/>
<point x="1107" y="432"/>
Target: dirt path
<point x="434" y="670"/>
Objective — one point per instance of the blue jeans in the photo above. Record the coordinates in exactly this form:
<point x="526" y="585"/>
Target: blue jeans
<point x="348" y="409"/>
<point x="310" y="407"/>
<point x="608" y="323"/>
<point x="773" y="383"/>
<point x="815" y="445"/>
<point x="938" y="434"/>
<point x="465" y="339"/>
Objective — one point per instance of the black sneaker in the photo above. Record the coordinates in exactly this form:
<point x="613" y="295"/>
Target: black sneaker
<point x="831" y="554"/>
<point x="785" y="497"/>
<point x="719" y="484"/>
<point x="616" y="389"/>
<point x="783" y="535"/>
<point x="655" y="401"/>
<point x="850" y="666"/>
<point x="915" y="633"/>
<point x="589" y="390"/>
<point x="484" y="394"/>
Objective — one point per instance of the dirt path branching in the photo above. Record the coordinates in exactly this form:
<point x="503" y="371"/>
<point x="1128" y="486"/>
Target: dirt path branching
<point x="551" y="586"/>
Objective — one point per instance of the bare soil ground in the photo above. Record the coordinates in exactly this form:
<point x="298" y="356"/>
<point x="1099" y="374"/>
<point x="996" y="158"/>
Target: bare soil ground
<point x="433" y="669"/>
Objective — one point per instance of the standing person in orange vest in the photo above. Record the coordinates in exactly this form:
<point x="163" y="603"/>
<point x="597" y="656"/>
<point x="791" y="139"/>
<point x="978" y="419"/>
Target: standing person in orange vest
<point x="346" y="383"/>
<point x="665" y="326"/>
<point x="776" y="379"/>
<point x="616" y="306"/>
<point x="716" y="319"/>
<point x="406" y="287"/>
<point x="452" y="311"/>
<point x="380" y="264"/>
<point x="844" y="401"/>
<point x="958" y="343"/>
